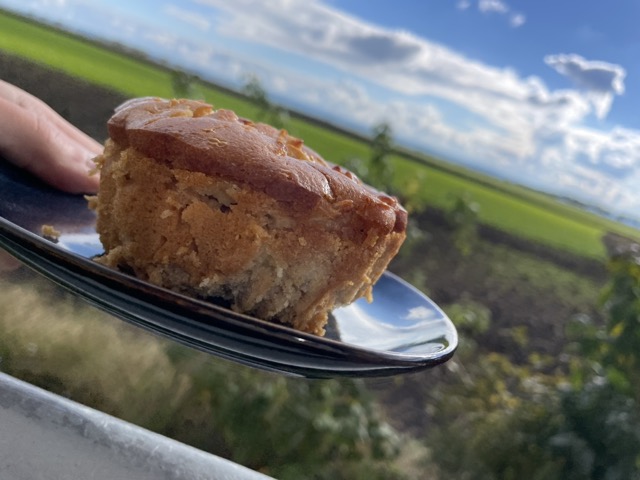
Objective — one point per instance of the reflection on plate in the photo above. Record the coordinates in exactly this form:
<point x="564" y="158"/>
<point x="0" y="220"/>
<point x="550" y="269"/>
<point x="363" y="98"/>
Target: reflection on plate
<point x="401" y="330"/>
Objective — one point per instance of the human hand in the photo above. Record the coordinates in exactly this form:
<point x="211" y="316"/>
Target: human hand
<point x="34" y="137"/>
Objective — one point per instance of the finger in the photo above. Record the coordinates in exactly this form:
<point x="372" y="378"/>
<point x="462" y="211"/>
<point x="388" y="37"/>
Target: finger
<point x="36" y="143"/>
<point x="19" y="97"/>
<point x="35" y="106"/>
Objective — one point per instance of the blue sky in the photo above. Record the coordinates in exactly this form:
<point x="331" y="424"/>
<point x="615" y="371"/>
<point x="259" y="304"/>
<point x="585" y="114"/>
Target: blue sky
<point x="545" y="93"/>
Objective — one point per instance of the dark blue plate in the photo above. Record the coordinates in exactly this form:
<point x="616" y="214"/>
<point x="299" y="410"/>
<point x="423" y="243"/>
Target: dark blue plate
<point x="400" y="331"/>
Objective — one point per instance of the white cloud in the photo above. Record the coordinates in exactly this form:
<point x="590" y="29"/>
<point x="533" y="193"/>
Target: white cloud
<point x="407" y="65"/>
<point x="516" y="19"/>
<point x="522" y="124"/>
<point x="492" y="6"/>
<point x="192" y="18"/>
<point x="593" y="75"/>
<point x="50" y="3"/>
<point x="596" y="165"/>
<point x="601" y="80"/>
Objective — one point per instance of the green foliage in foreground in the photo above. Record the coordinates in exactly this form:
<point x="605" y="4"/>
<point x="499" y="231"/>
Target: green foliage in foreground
<point x="527" y="422"/>
<point x="514" y="209"/>
<point x="288" y="428"/>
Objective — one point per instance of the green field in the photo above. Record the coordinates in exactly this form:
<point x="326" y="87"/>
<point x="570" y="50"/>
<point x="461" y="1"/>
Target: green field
<point x="519" y="211"/>
<point x="551" y="223"/>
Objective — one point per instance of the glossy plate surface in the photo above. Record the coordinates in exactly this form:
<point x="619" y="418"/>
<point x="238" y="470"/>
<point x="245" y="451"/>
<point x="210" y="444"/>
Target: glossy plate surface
<point x="401" y="330"/>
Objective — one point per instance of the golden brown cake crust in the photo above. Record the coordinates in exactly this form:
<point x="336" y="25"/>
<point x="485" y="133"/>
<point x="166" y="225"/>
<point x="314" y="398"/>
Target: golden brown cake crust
<point x="190" y="135"/>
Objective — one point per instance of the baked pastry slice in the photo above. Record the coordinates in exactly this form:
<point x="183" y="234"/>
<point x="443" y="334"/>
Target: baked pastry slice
<point x="206" y="203"/>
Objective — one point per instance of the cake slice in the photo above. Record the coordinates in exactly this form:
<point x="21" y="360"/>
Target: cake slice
<point x="208" y="204"/>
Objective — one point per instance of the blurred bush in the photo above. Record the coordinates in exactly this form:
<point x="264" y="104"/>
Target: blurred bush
<point x="462" y="218"/>
<point x="506" y="421"/>
<point x="286" y="427"/>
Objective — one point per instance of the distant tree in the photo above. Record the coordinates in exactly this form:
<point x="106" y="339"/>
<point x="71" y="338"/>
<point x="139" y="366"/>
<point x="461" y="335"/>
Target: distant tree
<point x="463" y="219"/>
<point x="257" y="94"/>
<point x="377" y="170"/>
<point x="267" y="111"/>
<point x="380" y="170"/>
<point x="184" y="85"/>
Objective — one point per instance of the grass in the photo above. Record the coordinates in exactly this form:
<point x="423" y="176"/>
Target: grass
<point x="533" y="197"/>
<point x="85" y="60"/>
<point x="516" y="214"/>
<point x="519" y="211"/>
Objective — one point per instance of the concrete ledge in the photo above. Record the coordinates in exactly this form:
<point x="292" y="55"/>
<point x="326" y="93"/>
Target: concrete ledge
<point x="45" y="436"/>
